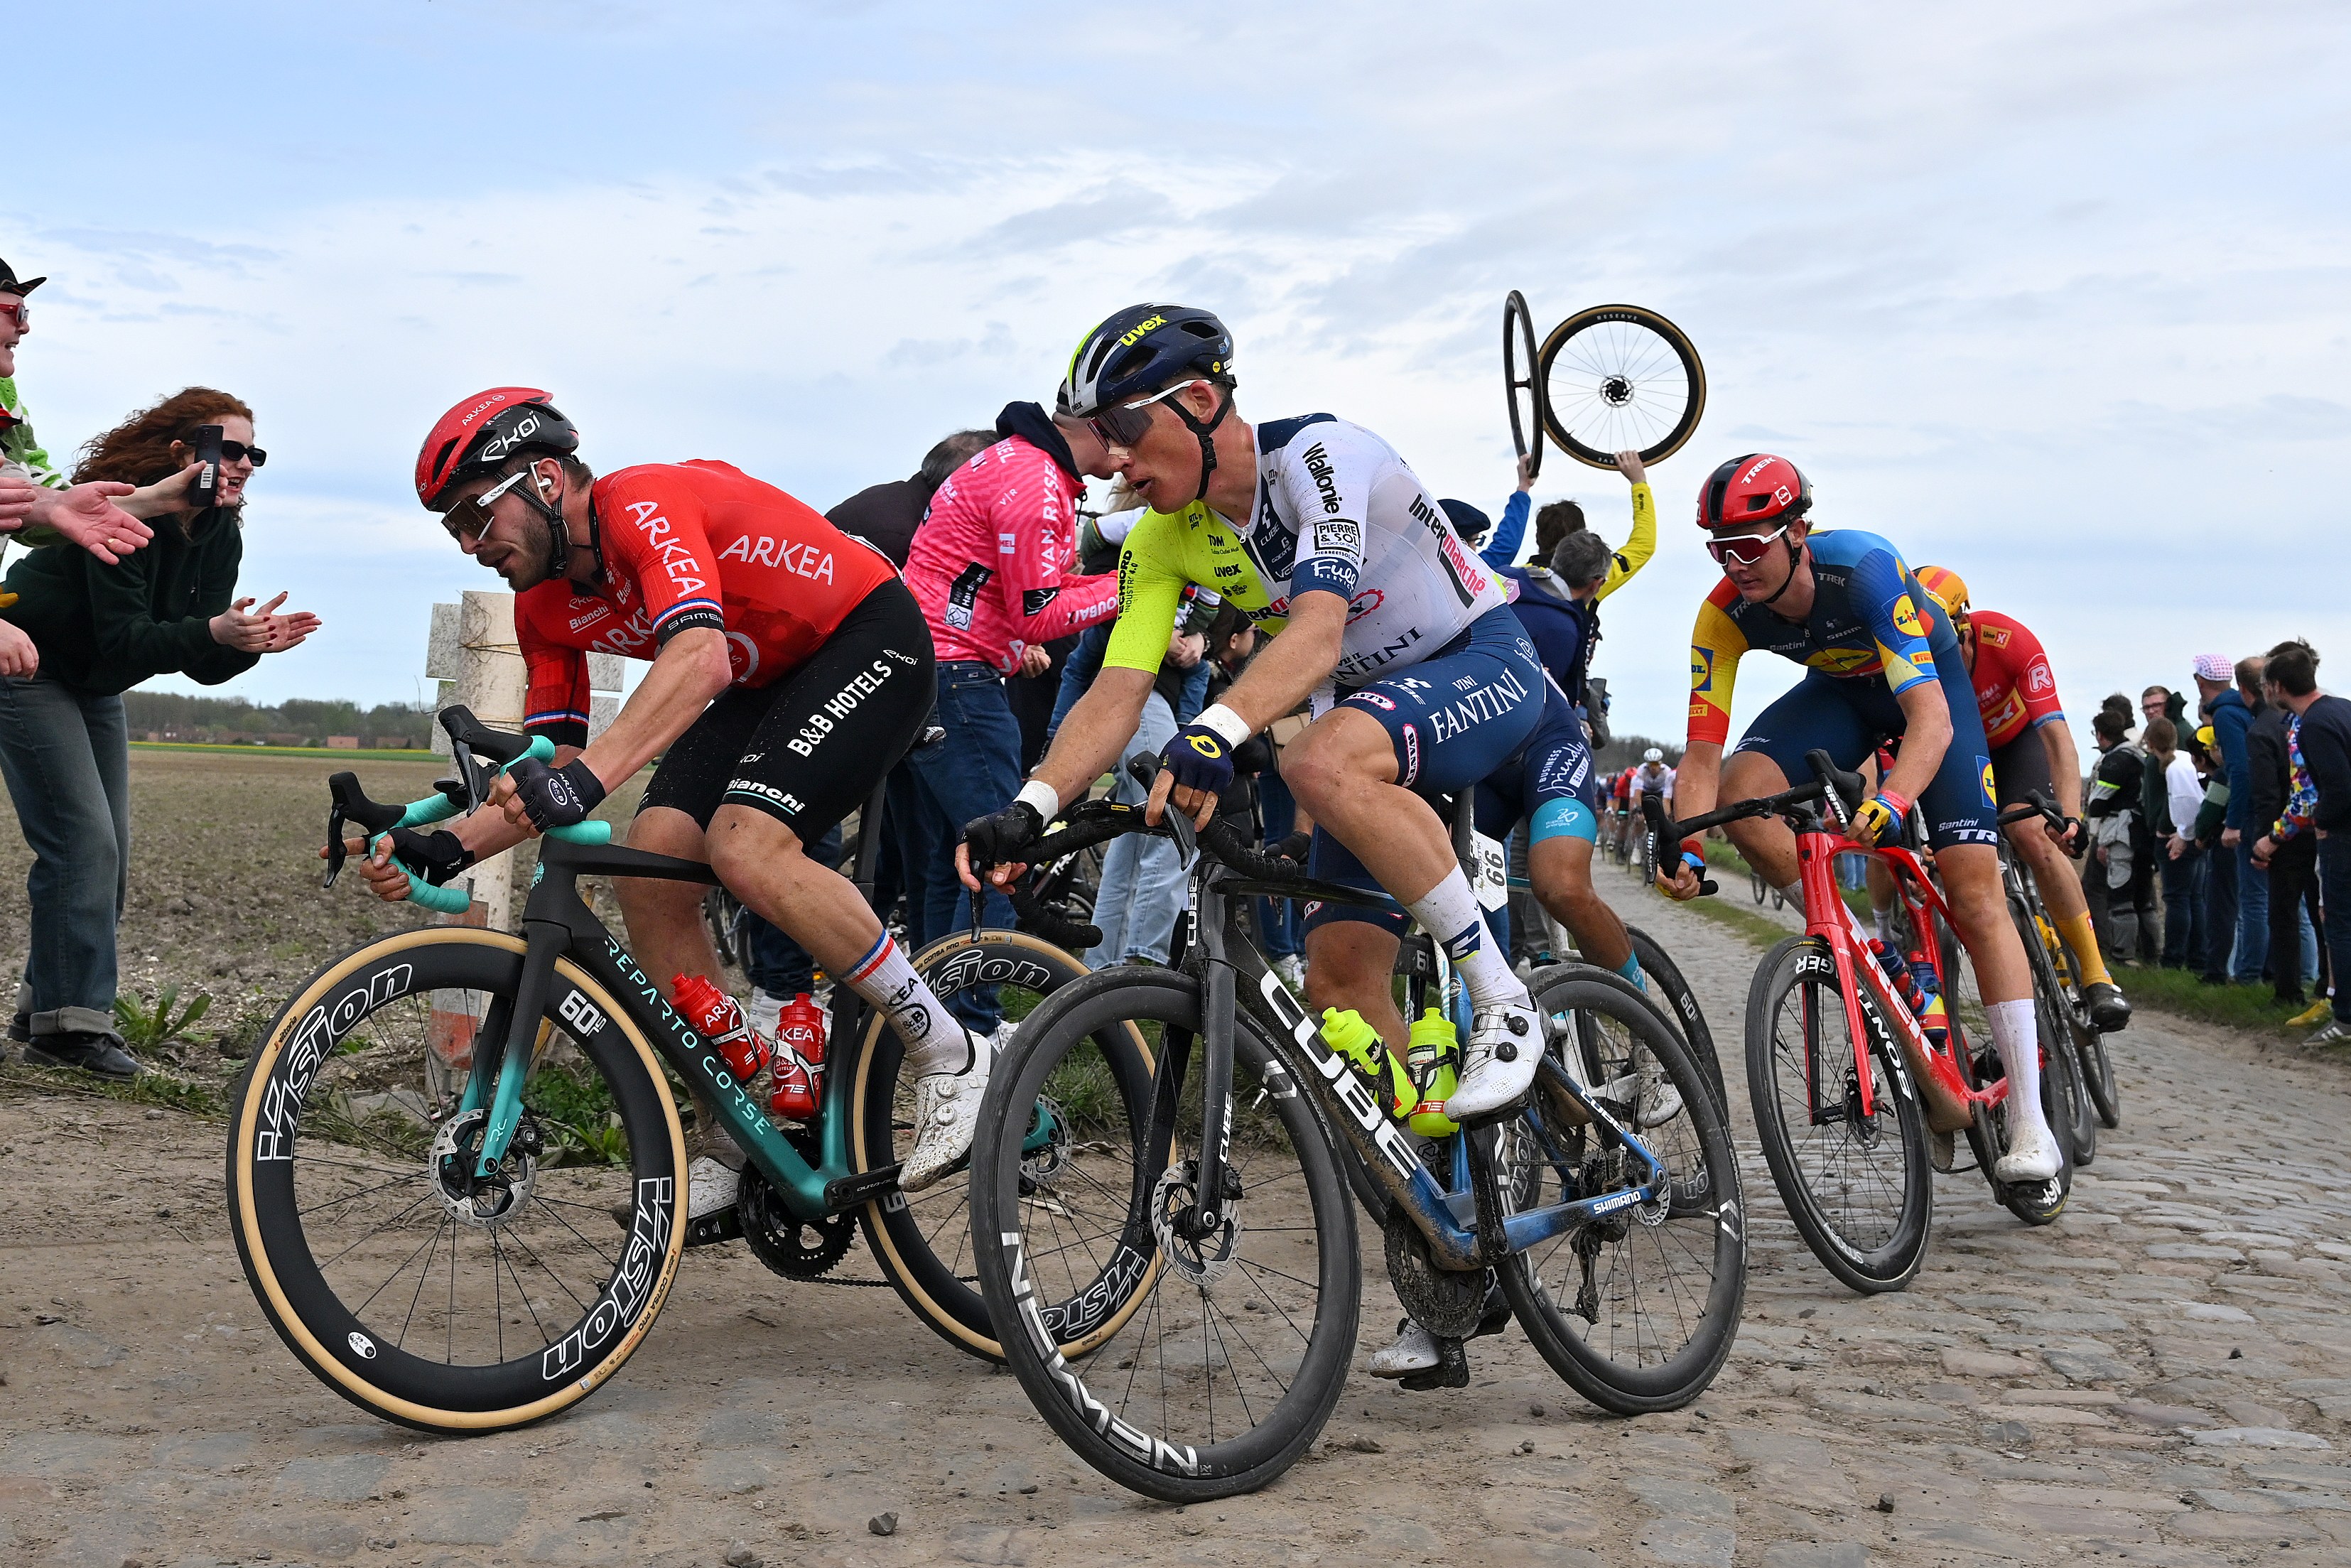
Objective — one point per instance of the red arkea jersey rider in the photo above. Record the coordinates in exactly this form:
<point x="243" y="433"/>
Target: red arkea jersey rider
<point x="691" y="544"/>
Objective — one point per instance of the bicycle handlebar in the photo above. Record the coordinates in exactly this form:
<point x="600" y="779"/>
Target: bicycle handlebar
<point x="375" y="818"/>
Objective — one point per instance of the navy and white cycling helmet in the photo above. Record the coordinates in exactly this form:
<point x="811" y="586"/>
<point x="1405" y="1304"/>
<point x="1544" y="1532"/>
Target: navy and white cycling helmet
<point x="1140" y="350"/>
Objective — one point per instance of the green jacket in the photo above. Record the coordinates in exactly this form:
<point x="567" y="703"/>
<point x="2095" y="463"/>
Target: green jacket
<point x="107" y="628"/>
<point x="22" y="454"/>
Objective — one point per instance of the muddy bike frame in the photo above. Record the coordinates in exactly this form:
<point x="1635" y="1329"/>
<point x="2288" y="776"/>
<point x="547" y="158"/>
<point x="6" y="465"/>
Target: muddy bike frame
<point x="1831" y="919"/>
<point x="1465" y="1225"/>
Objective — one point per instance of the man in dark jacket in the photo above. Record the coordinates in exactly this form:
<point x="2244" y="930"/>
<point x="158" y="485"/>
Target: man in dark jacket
<point x="2118" y="829"/>
<point x="2245" y="826"/>
<point x="2322" y="737"/>
<point x="2271" y="777"/>
<point x="2222" y="710"/>
<point x="2317" y="745"/>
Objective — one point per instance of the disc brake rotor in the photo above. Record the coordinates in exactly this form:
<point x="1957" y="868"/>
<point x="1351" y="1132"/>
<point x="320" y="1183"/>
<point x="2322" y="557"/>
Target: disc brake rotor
<point x="1203" y="1262"/>
<point x="484" y="1203"/>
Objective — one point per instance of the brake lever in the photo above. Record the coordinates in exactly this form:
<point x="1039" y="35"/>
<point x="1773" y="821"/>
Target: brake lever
<point x="1145" y="769"/>
<point x="336" y="853"/>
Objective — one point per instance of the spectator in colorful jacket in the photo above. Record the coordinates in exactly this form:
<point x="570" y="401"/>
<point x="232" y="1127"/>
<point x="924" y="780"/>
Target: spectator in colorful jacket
<point x="2319" y="740"/>
<point x="991" y="567"/>
<point x="2289" y="846"/>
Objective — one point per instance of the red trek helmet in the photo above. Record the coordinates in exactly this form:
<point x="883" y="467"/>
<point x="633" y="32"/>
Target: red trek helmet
<point x="485" y="430"/>
<point x="1751" y="488"/>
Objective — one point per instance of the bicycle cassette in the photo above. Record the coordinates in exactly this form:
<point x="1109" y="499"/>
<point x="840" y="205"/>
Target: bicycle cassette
<point x="794" y="1248"/>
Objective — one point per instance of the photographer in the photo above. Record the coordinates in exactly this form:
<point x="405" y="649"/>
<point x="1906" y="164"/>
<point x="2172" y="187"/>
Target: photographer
<point x="99" y="631"/>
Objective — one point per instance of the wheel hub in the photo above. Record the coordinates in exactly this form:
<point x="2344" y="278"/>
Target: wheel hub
<point x="1046" y="1149"/>
<point x="1616" y="391"/>
<point x="484" y="1202"/>
<point x="1202" y="1257"/>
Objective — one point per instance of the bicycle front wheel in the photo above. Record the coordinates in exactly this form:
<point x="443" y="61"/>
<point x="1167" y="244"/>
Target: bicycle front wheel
<point x="1857" y="1186"/>
<point x="409" y="1288"/>
<point x="923" y="1241"/>
<point x="1618" y="377"/>
<point x="1225" y="1355"/>
<point x="1638" y="1308"/>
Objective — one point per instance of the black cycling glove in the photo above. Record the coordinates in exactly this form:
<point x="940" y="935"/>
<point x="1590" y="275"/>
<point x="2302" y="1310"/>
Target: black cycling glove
<point x="1200" y="760"/>
<point x="1003" y="837"/>
<point x="557" y="797"/>
<point x="436" y="856"/>
<point x="1294" y="846"/>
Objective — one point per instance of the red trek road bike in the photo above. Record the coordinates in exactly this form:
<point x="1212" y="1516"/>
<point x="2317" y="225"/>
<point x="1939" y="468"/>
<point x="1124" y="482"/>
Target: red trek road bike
<point x="1854" y="1101"/>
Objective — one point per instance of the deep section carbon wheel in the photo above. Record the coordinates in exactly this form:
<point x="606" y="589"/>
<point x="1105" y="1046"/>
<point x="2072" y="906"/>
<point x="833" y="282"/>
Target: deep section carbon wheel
<point x="414" y="1289"/>
<point x="1618" y="378"/>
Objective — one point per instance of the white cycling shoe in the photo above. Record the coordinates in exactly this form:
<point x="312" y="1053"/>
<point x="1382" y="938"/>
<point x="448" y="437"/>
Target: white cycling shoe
<point x="1655" y="1100"/>
<point x="1499" y="1066"/>
<point x="710" y="1187"/>
<point x="1414" y="1350"/>
<point x="2032" y="1154"/>
<point x="946" y="1114"/>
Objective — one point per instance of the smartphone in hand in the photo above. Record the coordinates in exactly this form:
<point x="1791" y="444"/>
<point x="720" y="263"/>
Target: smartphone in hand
<point x="205" y="489"/>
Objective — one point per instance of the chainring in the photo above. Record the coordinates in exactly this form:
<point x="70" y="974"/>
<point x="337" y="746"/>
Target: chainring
<point x="794" y="1248"/>
<point x="1446" y="1302"/>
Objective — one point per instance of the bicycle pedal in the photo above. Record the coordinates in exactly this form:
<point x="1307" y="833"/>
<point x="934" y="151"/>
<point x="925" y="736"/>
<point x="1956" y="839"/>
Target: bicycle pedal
<point x="725" y="1225"/>
<point x="1451" y="1371"/>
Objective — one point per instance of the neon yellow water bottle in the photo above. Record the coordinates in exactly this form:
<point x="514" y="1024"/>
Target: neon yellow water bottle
<point x="1359" y="1043"/>
<point x="1434" y="1058"/>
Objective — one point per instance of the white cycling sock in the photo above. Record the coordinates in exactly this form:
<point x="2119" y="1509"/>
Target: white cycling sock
<point x="2014" y="1034"/>
<point x="1794" y="892"/>
<point x="1449" y="912"/>
<point x="1885" y="921"/>
<point x="936" y="1041"/>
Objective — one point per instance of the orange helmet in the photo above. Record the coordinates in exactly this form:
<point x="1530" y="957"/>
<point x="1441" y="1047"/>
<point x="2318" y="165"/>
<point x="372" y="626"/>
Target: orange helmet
<point x="1945" y="587"/>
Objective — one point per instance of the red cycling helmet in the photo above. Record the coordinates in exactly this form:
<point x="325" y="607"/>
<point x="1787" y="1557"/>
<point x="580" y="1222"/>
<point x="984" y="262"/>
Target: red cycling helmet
<point x="482" y="433"/>
<point x="1752" y="488"/>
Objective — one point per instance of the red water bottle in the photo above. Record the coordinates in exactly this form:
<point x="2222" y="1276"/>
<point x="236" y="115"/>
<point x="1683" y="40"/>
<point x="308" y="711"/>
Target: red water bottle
<point x="719" y="1017"/>
<point x="800" y="1061"/>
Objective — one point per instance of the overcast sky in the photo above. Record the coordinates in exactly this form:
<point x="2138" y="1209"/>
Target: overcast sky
<point x="2053" y="296"/>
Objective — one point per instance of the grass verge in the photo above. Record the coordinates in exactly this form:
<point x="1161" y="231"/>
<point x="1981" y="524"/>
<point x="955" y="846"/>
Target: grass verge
<point x="2180" y="992"/>
<point x="162" y="1089"/>
<point x="1761" y="930"/>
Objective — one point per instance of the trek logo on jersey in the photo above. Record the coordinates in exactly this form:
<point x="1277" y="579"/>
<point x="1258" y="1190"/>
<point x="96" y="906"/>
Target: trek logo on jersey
<point x="1318" y="463"/>
<point x="675" y="557"/>
<point x="1905" y="617"/>
<point x="803" y="560"/>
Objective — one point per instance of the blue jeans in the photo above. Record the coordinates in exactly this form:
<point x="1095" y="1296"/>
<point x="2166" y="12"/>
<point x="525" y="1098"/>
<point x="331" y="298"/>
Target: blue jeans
<point x="975" y="770"/>
<point x="67" y="757"/>
<point x="2219" y="910"/>
<point x="2335" y="892"/>
<point x="779" y="965"/>
<point x="1142" y="888"/>
<point x="902" y="868"/>
<point x="2183" y="907"/>
<point x="2252" y="912"/>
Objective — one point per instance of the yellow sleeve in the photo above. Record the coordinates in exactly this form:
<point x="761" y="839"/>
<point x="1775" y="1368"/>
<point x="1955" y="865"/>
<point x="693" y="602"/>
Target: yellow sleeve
<point x="1639" y="548"/>
<point x="1716" y="645"/>
<point x="1150" y="591"/>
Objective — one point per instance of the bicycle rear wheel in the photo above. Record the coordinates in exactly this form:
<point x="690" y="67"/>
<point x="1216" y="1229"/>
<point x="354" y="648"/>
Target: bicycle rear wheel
<point x="923" y="1241"/>
<point x="404" y="1291"/>
<point x="1636" y="1310"/>
<point x="1227" y="1355"/>
<point x="1857" y="1188"/>
<point x="1683" y="1008"/>
<point x="1624" y="378"/>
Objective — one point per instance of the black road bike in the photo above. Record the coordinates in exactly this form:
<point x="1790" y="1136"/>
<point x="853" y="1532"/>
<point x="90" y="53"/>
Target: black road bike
<point x="1219" y="1230"/>
<point x="456" y="1267"/>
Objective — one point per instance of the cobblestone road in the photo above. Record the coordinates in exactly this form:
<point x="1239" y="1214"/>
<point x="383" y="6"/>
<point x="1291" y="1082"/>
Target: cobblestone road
<point x="2163" y="1377"/>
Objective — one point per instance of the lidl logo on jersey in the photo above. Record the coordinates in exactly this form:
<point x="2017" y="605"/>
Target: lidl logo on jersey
<point x="1701" y="671"/>
<point x="1983" y="769"/>
<point x="1905" y="618"/>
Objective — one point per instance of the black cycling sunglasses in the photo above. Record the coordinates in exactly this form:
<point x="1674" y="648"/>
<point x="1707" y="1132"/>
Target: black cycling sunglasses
<point x="231" y="451"/>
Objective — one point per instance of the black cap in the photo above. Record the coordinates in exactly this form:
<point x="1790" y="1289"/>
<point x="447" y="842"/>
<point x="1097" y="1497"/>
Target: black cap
<point x="1467" y="521"/>
<point x="11" y="283"/>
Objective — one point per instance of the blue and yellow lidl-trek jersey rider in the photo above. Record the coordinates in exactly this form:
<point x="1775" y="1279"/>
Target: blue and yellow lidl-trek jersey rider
<point x="1869" y="618"/>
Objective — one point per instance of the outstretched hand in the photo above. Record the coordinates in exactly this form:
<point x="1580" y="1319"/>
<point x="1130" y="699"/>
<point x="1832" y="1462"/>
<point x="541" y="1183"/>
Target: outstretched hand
<point x="86" y="516"/>
<point x="1629" y="464"/>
